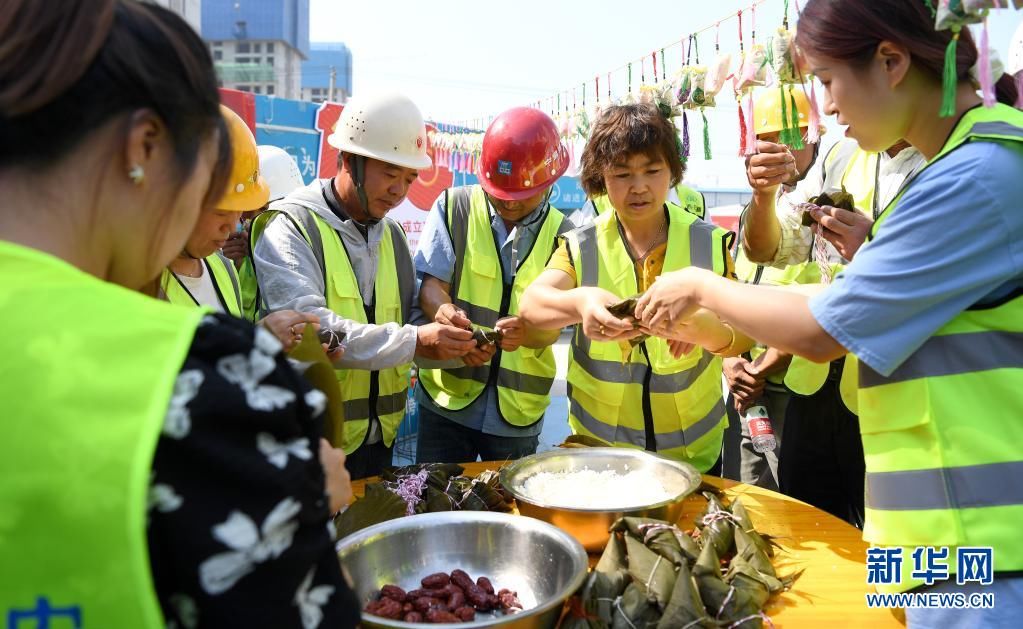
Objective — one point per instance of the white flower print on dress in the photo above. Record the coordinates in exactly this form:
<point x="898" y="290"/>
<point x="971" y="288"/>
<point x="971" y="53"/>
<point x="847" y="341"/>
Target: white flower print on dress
<point x="178" y="422"/>
<point x="248" y="372"/>
<point x="267" y="342"/>
<point x="316" y="401"/>
<point x="277" y="453"/>
<point x="163" y="498"/>
<point x="249" y="547"/>
<point x="311" y="601"/>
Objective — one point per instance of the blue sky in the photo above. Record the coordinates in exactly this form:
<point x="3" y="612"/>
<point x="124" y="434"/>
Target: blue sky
<point x="462" y="59"/>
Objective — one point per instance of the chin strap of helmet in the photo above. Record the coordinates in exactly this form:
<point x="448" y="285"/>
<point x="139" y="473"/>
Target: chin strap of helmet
<point x="358" y="163"/>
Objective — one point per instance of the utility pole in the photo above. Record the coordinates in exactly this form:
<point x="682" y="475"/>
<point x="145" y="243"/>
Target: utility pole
<point x="333" y="79"/>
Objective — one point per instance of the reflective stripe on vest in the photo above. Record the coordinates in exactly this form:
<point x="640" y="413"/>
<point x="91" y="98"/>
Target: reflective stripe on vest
<point x="650" y="400"/>
<point x="83" y="408"/>
<point x="941" y="434"/>
<point x="394" y="278"/>
<point x="225" y="283"/>
<point x="523" y="377"/>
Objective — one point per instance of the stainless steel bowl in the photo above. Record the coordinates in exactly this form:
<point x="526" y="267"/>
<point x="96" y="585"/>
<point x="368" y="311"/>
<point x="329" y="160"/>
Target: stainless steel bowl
<point x="540" y="562"/>
<point x="590" y="526"/>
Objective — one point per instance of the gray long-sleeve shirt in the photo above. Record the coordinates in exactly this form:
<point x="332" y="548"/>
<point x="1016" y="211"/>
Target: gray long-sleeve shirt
<point x="290" y="277"/>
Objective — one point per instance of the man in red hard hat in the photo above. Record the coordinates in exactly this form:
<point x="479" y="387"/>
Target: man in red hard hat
<point x="481" y="247"/>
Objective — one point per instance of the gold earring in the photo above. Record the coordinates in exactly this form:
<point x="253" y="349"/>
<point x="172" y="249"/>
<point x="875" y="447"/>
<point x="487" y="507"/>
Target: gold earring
<point x="136" y="174"/>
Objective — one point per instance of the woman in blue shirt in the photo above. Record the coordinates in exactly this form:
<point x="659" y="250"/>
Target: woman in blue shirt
<point x="932" y="306"/>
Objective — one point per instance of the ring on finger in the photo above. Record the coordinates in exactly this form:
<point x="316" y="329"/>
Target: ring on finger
<point x="603" y="331"/>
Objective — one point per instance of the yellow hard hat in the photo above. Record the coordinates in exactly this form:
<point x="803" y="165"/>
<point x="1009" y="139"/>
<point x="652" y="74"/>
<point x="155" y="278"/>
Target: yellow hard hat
<point x="246" y="189"/>
<point x="767" y="109"/>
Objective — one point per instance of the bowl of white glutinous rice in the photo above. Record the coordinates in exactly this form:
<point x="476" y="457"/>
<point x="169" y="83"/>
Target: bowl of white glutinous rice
<point x="584" y="490"/>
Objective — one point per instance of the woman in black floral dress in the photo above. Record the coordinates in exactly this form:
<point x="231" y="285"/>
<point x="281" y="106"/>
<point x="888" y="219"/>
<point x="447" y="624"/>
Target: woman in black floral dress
<point x="110" y="143"/>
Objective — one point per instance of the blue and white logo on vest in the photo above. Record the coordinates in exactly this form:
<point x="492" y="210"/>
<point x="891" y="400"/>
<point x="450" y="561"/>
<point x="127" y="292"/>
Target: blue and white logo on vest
<point x="41" y="616"/>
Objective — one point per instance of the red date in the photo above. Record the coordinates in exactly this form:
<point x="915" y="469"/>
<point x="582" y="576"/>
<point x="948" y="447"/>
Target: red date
<point x="485" y="585"/>
<point x="426" y="603"/>
<point x="466" y="614"/>
<point x="449" y="590"/>
<point x="436" y="581"/>
<point x="393" y="591"/>
<point x="413" y="617"/>
<point x="441" y="615"/>
<point x="456" y="600"/>
<point x="462" y="580"/>
<point x="478" y="598"/>
<point x="386" y="608"/>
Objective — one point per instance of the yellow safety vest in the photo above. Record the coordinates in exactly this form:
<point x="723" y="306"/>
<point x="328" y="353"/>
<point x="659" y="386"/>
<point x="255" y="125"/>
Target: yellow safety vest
<point x="857" y="170"/>
<point x="689" y="200"/>
<point x="942" y="434"/>
<point x="249" y="290"/>
<point x="650" y="400"/>
<point x="523" y="377"/>
<point x="83" y="406"/>
<point x="380" y="393"/>
<point x="225" y="282"/>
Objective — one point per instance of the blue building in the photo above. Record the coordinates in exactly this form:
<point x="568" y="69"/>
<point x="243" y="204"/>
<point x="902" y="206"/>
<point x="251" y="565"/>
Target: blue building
<point x="258" y="45"/>
<point x="324" y="59"/>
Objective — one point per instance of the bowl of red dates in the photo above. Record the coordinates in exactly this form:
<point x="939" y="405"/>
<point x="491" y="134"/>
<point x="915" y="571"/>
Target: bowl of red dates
<point x="468" y="568"/>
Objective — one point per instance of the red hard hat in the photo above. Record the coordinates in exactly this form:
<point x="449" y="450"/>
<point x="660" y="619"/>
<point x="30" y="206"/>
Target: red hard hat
<point x="522" y="154"/>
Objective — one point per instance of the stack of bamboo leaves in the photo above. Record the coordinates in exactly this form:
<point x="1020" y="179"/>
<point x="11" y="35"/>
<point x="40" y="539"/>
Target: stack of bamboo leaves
<point x="423" y="488"/>
<point x="654" y="575"/>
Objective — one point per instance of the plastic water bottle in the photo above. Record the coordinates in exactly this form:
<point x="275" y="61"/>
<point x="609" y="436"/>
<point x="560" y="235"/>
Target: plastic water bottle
<point x="411" y="406"/>
<point x="758" y="423"/>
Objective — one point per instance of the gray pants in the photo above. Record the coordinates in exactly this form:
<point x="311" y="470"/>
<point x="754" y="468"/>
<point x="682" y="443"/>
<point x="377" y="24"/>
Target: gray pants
<point x="740" y="461"/>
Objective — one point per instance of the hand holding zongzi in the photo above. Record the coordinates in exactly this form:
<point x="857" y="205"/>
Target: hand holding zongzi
<point x="598" y="322"/>
<point x="450" y="314"/>
<point x="480" y="355"/>
<point x="845" y="229"/>
<point x="512" y="331"/>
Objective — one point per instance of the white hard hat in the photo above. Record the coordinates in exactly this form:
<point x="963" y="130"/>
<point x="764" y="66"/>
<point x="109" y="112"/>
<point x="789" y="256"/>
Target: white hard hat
<point x="388" y="127"/>
<point x="279" y="169"/>
<point x="1015" y="61"/>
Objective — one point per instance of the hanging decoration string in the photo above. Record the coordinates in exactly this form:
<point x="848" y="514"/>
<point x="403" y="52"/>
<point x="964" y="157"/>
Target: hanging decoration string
<point x="743" y="139"/>
<point x="688" y="53"/>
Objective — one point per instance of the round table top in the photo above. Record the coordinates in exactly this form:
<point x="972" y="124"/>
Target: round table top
<point x="831" y="553"/>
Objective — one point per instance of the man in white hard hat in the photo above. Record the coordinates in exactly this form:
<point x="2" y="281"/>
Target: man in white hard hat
<point x="280" y="170"/>
<point x="328" y="249"/>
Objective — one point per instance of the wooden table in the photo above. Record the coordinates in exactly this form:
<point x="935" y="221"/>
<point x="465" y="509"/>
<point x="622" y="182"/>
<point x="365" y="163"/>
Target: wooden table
<point x="831" y="553"/>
